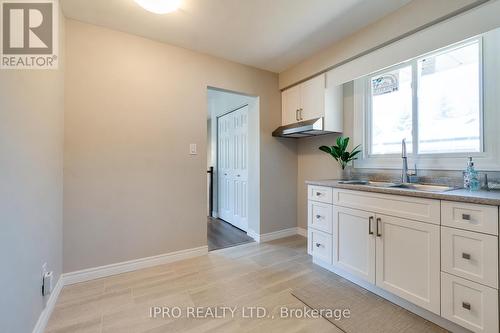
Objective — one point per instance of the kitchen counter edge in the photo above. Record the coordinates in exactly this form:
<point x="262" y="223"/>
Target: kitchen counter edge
<point x="482" y="197"/>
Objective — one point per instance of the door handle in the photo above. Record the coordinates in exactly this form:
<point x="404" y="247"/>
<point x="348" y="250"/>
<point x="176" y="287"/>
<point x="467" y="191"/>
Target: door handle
<point x="378" y="222"/>
<point x="370" y="220"/>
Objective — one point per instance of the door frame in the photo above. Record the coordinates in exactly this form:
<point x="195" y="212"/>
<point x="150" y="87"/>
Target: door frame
<point x="216" y="169"/>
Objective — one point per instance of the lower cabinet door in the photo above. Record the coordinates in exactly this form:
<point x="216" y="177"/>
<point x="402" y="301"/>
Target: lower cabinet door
<point x="354" y="242"/>
<point x="469" y="304"/>
<point x="408" y="260"/>
<point x="320" y="245"/>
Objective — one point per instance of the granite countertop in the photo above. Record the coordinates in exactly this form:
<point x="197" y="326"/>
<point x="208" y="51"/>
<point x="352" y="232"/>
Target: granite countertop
<point x="478" y="197"/>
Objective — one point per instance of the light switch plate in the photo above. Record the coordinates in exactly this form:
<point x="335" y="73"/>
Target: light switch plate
<point x="193" y="149"/>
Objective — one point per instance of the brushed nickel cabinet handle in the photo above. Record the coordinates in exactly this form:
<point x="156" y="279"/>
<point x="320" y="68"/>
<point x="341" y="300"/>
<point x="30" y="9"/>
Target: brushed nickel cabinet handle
<point x="370" y="220"/>
<point x="466" y="217"/>
<point x="300" y="114"/>
<point x="297" y="114"/>
<point x="466" y="256"/>
<point x="466" y="305"/>
<point x="379" y="234"/>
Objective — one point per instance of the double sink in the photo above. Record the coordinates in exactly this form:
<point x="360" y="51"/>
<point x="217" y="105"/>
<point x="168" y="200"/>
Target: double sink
<point x="408" y="186"/>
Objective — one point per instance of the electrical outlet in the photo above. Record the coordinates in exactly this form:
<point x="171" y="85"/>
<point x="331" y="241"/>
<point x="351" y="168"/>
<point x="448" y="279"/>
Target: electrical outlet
<point x="47" y="283"/>
<point x="46" y="287"/>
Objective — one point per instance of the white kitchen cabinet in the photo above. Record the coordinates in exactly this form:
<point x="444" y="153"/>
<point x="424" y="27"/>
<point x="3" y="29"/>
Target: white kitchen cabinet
<point x="441" y="256"/>
<point x="320" y="194"/>
<point x="469" y="304"/>
<point x="320" y="244"/>
<point x="471" y="255"/>
<point x="312" y="93"/>
<point x="354" y="242"/>
<point x="407" y="263"/>
<point x="311" y="100"/>
<point x="473" y="217"/>
<point x="290" y="104"/>
<point x="320" y="216"/>
<point x="420" y="209"/>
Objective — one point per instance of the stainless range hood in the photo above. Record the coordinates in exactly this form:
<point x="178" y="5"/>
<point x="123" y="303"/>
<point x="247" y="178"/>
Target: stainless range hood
<point x="303" y="129"/>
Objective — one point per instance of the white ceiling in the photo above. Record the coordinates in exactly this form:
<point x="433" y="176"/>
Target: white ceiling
<point x="267" y="34"/>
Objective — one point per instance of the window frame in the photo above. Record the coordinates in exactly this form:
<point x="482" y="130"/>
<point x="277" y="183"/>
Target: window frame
<point x="438" y="161"/>
<point x="368" y="106"/>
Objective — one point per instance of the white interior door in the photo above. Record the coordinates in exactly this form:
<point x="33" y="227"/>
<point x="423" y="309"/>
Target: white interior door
<point x="232" y="138"/>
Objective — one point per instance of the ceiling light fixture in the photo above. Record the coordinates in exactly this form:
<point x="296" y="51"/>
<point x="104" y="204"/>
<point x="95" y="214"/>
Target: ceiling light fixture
<point x="159" y="6"/>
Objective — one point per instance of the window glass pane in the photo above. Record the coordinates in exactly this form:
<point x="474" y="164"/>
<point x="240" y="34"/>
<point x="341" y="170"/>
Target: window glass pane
<point x="391" y="116"/>
<point x="449" y="101"/>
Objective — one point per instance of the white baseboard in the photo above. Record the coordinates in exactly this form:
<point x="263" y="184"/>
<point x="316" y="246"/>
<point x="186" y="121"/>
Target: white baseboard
<point x="276" y="234"/>
<point x="254" y="235"/>
<point x="279" y="234"/>
<point x="131" y="265"/>
<point x="302" y="232"/>
<point x="108" y="270"/>
<point x="44" y="317"/>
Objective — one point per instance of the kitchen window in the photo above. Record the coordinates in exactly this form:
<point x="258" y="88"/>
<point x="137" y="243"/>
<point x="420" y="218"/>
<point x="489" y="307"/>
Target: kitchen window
<point x="433" y="102"/>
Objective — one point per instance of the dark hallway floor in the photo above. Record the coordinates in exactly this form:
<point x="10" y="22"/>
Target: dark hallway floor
<point x="221" y="234"/>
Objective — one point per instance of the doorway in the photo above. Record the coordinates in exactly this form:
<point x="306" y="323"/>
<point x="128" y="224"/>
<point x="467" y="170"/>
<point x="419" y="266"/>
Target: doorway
<point x="232" y="163"/>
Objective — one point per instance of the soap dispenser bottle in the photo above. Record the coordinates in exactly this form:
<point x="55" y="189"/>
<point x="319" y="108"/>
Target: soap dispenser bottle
<point x="471" y="177"/>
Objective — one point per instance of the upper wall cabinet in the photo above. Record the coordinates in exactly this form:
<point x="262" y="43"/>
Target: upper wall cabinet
<point x="311" y="108"/>
<point x="304" y="101"/>
<point x="312" y="93"/>
<point x="290" y="105"/>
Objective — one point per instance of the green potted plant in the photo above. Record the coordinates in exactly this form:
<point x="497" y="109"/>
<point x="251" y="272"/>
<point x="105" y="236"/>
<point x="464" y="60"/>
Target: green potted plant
<point x="340" y="153"/>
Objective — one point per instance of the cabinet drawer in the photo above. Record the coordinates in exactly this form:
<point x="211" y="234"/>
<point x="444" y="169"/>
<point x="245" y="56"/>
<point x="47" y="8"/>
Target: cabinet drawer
<point x="420" y="209"/>
<point x="480" y="218"/>
<point x="320" y="216"/>
<point x="469" y="304"/>
<point x="320" y="193"/>
<point x="320" y="245"/>
<point x="470" y="255"/>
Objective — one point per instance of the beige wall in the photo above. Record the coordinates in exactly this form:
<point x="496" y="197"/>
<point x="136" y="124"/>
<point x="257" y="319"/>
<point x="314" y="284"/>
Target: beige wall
<point x="132" y="107"/>
<point x="409" y="17"/>
<point x="31" y="176"/>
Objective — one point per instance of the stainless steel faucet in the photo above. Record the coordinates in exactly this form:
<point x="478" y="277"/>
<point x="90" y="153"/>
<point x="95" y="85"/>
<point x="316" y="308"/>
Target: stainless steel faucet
<point x="405" y="178"/>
